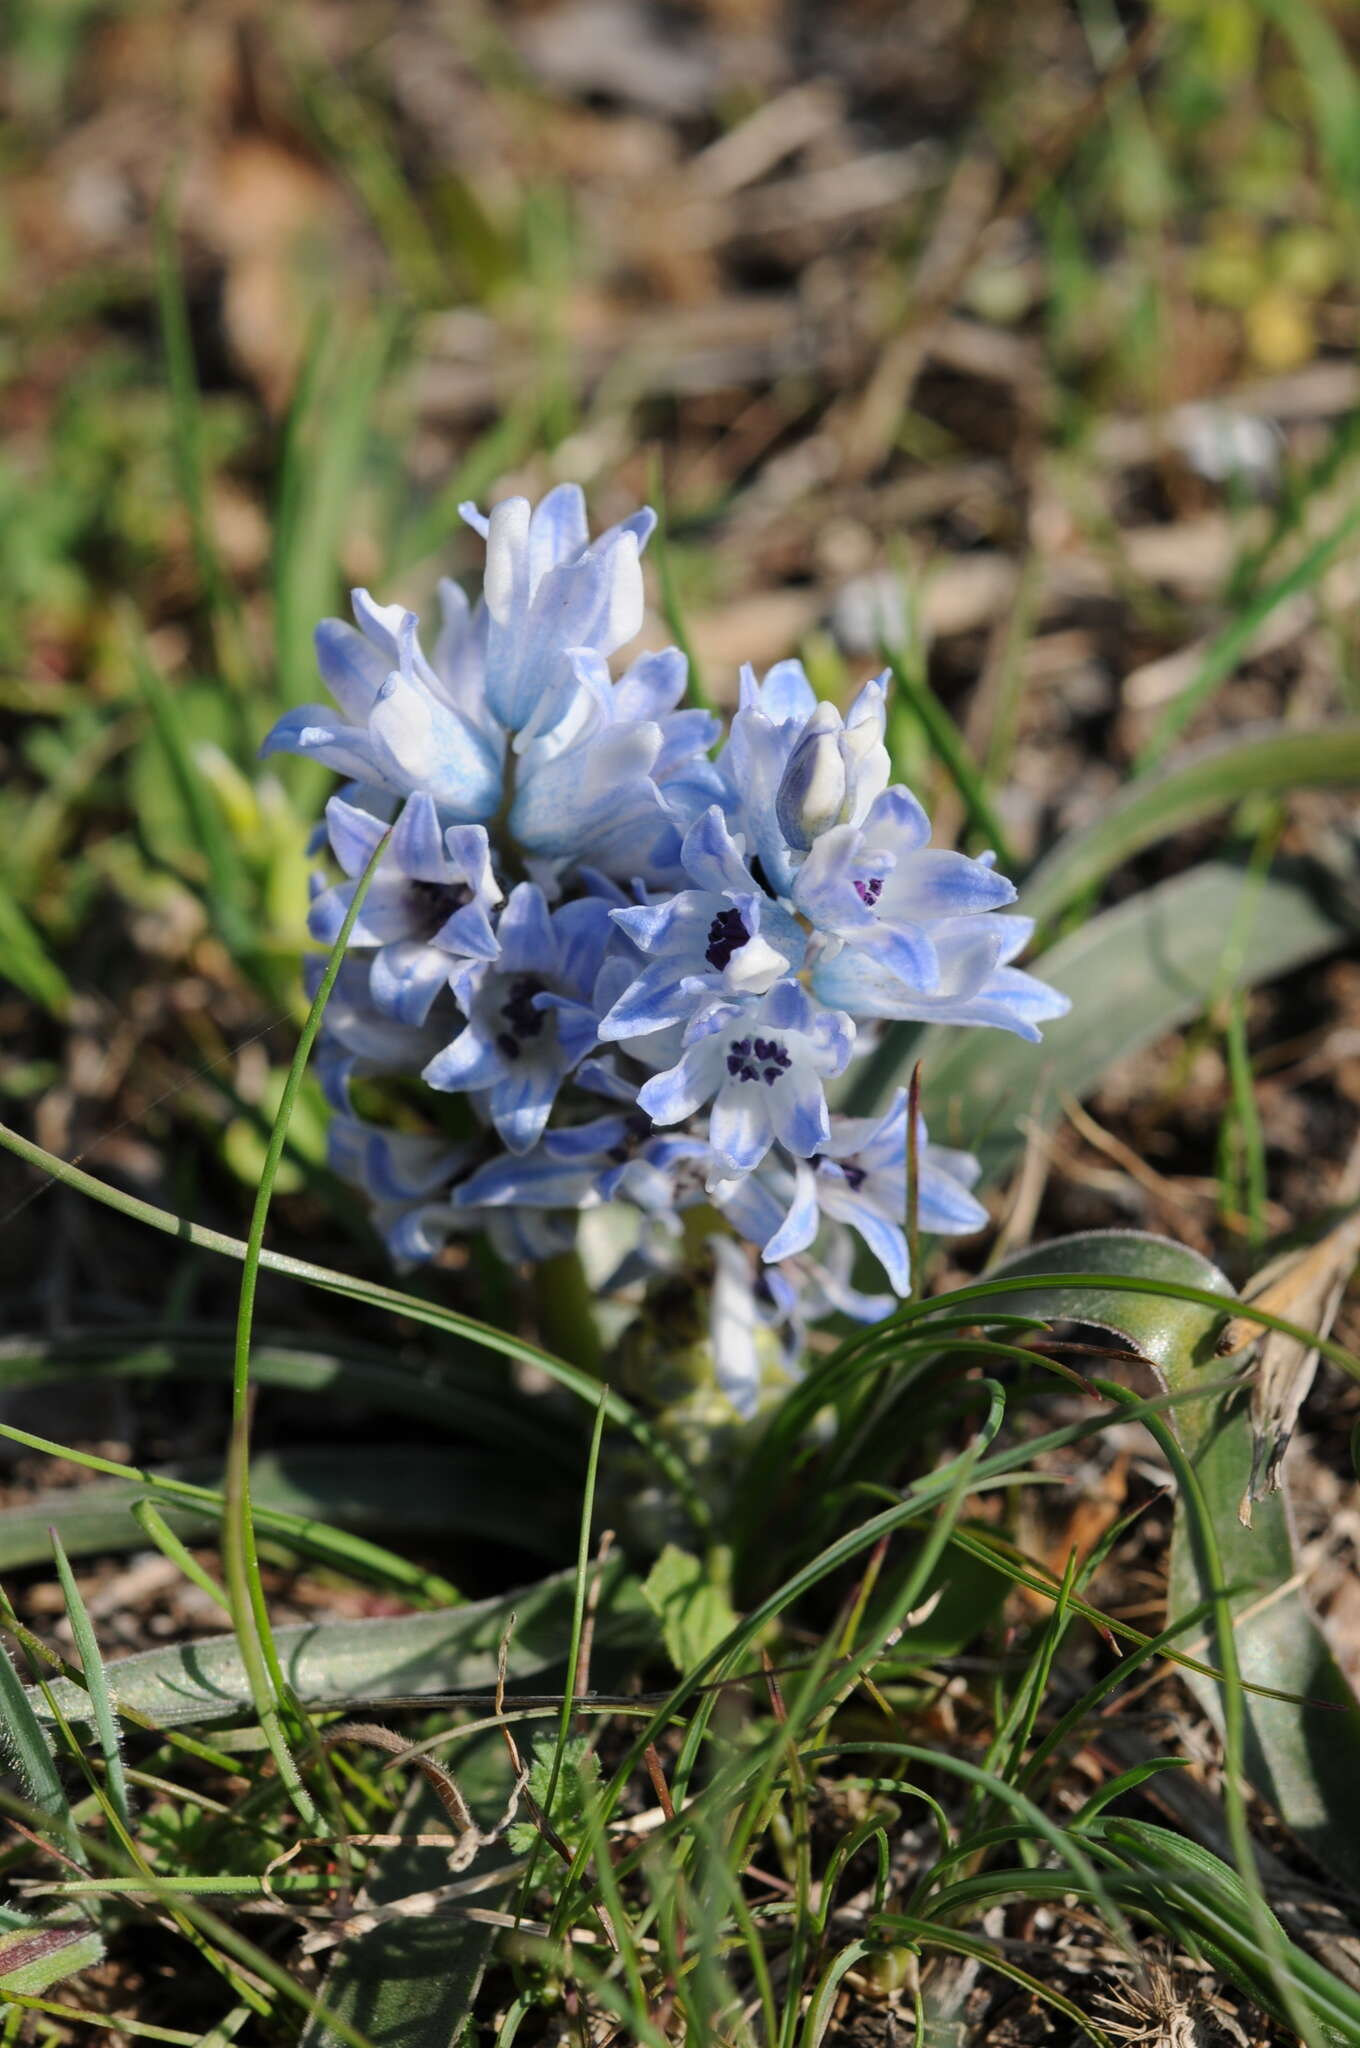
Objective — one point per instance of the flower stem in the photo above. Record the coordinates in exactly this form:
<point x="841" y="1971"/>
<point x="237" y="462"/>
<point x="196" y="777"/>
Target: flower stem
<point x="566" y="1317"/>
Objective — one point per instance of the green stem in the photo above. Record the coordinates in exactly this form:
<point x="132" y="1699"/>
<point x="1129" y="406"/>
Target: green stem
<point x="566" y="1313"/>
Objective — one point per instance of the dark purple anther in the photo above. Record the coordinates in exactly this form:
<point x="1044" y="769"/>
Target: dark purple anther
<point x="726" y="936"/>
<point x="757" y="1059"/>
<point x="523" y="1019"/>
<point x="869" y="889"/>
<point x="433" y="904"/>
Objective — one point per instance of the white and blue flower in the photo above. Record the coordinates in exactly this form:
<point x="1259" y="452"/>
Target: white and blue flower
<point x="530" y="1020"/>
<point x="881" y="886"/>
<point x="790" y="760"/>
<point x="763" y="1068"/>
<point x="641" y="964"/>
<point x="549" y="591"/>
<point x="859" y="1178"/>
<point x="974" y="983"/>
<point x="614" y="784"/>
<point x="726" y="939"/>
<point x="428" y="905"/>
<point x="401" y="728"/>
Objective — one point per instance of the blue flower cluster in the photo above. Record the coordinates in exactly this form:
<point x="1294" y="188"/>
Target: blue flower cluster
<point x="638" y="947"/>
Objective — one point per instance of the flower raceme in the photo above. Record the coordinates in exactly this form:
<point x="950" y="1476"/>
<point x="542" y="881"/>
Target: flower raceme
<point x="634" y="948"/>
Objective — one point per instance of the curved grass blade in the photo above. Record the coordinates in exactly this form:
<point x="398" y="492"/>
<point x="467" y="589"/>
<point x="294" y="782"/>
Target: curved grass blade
<point x="26" y="1750"/>
<point x="410" y="1982"/>
<point x="302" y="1533"/>
<point x="1270" y="758"/>
<point x="459" y="1398"/>
<point x="1298" y="1754"/>
<point x="377" y="1295"/>
<point x="96" y="1684"/>
<point x="419" y="1489"/>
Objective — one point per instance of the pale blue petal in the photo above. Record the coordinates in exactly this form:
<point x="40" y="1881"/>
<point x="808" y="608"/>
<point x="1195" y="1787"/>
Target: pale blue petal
<point x="651" y="1002"/>
<point x="936" y="883"/>
<point x="386" y="914"/>
<point x="558" y="530"/>
<point x="788" y="1007"/>
<point x="314" y="732"/>
<point x="525" y="932"/>
<point x="897" y="820"/>
<point x="538" y="1181"/>
<point x="418" y="842"/>
<point x="750" y="1206"/>
<point x="468" y="1062"/>
<point x="944" y="1206"/>
<point x="787" y="694"/>
<point x="800" y="1225"/>
<point x="885" y="1239"/>
<point x="824" y="889"/>
<point x="352" y="670"/>
<point x="739" y="1128"/>
<point x="584" y="930"/>
<point x="405" y="979"/>
<point x="648" y="924"/>
<point x="468" y="931"/>
<point x="711" y="858"/>
<point x="671" y="1097"/>
<point x="354" y="835"/>
<point x="906" y="951"/>
<point x="521" y="1102"/>
<point x="421" y="744"/>
<point x="653" y="686"/>
<point x="798" y="1107"/>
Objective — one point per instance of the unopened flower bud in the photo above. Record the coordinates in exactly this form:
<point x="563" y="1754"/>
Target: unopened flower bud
<point x="816" y="789"/>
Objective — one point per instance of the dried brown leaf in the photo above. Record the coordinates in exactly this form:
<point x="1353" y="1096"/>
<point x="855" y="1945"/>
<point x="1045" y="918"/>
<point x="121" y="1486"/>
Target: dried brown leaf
<point x="1306" y="1288"/>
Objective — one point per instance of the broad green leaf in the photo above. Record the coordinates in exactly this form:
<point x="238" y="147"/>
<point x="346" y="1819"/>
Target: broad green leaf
<point x="692" y="1606"/>
<point x="1176" y="1336"/>
<point x="1133" y="973"/>
<point x="1203" y="780"/>
<point x="34" y="1958"/>
<point x="962" y="1596"/>
<point x="382" y="1657"/>
<point x="410" y="1982"/>
<point x="417" y="1489"/>
<point x="1300" y="1758"/>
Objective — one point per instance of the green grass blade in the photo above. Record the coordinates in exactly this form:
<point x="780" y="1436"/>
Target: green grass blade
<point x="153" y="1524"/>
<point x="377" y="1295"/>
<point x="28" y="965"/>
<point x="1230" y="646"/>
<point x="303" y="1533"/>
<point x="1271" y="759"/>
<point x="92" y="1665"/>
<point x="26" y="1751"/>
<point x="411" y="1982"/>
<point x="952" y="749"/>
<point x="419" y="1491"/>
